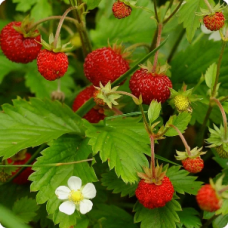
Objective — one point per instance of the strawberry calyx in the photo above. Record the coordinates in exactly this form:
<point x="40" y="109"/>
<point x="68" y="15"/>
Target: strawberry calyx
<point x="21" y="155"/>
<point x="220" y="189"/>
<point x="148" y="176"/>
<point x="25" y="30"/>
<point x="59" y="47"/>
<point x="206" y="12"/>
<point x="160" y="70"/>
<point x="121" y="50"/>
<point x="194" y="153"/>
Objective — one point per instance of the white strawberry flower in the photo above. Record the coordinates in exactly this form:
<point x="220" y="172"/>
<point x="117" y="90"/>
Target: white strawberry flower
<point x="213" y="35"/>
<point x="1" y="1"/>
<point x="1" y="226"/>
<point x="76" y="196"/>
<point x="226" y="1"/>
<point x="227" y="223"/>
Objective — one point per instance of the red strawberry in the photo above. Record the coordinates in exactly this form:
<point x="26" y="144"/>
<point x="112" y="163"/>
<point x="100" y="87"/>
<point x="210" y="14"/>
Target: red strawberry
<point x="152" y="196"/>
<point x="208" y="199"/>
<point x="104" y="65"/>
<point x="94" y="115"/>
<point x="16" y="46"/>
<point x="22" y="178"/>
<point x="152" y="86"/>
<point x="193" y="165"/>
<point x="121" y="10"/>
<point x="215" y="21"/>
<point x="52" y="65"/>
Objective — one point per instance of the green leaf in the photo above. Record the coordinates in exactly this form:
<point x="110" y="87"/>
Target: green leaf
<point x="220" y="222"/>
<point x="187" y="16"/>
<point x="43" y="88"/>
<point x="9" y="219"/>
<point x="211" y="75"/>
<point x="110" y="216"/>
<point x="68" y="148"/>
<point x="29" y="124"/>
<point x="162" y="217"/>
<point x="91" y="4"/>
<point x="224" y="208"/>
<point x="24" y="5"/>
<point x="189" y="217"/>
<point x="182" y="182"/>
<point x="154" y="111"/>
<point x="121" y="142"/>
<point x="26" y="209"/>
<point x="112" y="182"/>
<point x="181" y="122"/>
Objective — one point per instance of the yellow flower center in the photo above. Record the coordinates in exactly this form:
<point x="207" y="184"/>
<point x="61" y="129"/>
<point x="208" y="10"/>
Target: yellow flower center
<point x="76" y="196"/>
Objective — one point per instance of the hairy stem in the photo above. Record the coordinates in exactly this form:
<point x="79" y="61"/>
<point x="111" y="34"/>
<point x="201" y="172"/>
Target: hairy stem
<point x="61" y="23"/>
<point x="157" y="44"/>
<point x="155" y="10"/>
<point x="152" y="156"/>
<point x="183" y="139"/>
<point x="223" y="116"/>
<point x="208" y="5"/>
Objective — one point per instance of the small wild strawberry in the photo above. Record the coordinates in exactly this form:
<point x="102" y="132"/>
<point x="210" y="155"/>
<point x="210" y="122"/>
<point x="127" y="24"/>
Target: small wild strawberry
<point x="151" y="86"/>
<point x="94" y="115"/>
<point x="214" y="21"/>
<point x="121" y="10"/>
<point x="181" y="103"/>
<point x="17" y="45"/>
<point x="52" y="65"/>
<point x="105" y="64"/>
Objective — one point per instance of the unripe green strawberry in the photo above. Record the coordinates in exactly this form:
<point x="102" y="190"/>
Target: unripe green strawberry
<point x="221" y="152"/>
<point x="181" y="103"/>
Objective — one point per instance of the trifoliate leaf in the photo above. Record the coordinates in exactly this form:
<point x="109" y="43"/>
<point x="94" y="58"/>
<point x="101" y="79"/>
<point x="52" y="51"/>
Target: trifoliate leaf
<point x="121" y="142"/>
<point x="26" y="209"/>
<point x="112" y="182"/>
<point x="181" y="122"/>
<point x="32" y="123"/>
<point x="189" y="217"/>
<point x="154" y="111"/>
<point x="162" y="217"/>
<point x="110" y="216"/>
<point x="68" y="148"/>
<point x="211" y="75"/>
<point x="182" y="182"/>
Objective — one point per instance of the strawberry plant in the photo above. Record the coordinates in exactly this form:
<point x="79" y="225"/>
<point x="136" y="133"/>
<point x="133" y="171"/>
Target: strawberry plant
<point x="113" y="114"/>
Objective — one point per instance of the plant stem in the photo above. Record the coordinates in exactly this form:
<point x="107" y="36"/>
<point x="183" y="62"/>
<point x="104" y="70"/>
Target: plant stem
<point x="173" y="13"/>
<point x="61" y="23"/>
<point x="155" y="10"/>
<point x="223" y="116"/>
<point x="144" y="120"/>
<point x="152" y="156"/>
<point x="223" y="190"/>
<point x="157" y="44"/>
<point x="183" y="139"/>
<point x="209" y="221"/>
<point x="209" y="6"/>
<point x="218" y="68"/>
<point x="51" y="18"/>
<point x="174" y="49"/>
<point x="224" y="99"/>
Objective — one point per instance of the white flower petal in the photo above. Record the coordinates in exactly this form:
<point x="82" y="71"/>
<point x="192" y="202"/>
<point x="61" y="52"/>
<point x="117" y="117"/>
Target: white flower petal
<point x="74" y="183"/>
<point x="215" y="36"/>
<point x="227" y="223"/>
<point x="89" y="191"/>
<point x="85" y="206"/>
<point x="205" y="30"/>
<point x="62" y="192"/>
<point x="1" y="226"/>
<point x="67" y="207"/>
<point x="226" y="1"/>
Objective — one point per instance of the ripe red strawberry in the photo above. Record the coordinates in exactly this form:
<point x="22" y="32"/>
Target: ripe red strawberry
<point x="94" y="115"/>
<point x="152" y="86"/>
<point x="121" y="10"/>
<point x="16" y="46"/>
<point x="214" y="22"/>
<point x="193" y="165"/>
<point x="52" y="65"/>
<point x="152" y="196"/>
<point x="22" y="178"/>
<point x="208" y="199"/>
<point x="104" y="65"/>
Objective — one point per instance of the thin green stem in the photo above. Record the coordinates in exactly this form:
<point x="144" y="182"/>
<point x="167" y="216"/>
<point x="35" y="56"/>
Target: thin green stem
<point x="152" y="156"/>
<point x="223" y="116"/>
<point x="160" y="26"/>
<point x="224" y="99"/>
<point x="209" y="6"/>
<point x="145" y="120"/>
<point x="218" y="68"/>
<point x="61" y="23"/>
<point x="173" y="13"/>
<point x="187" y="148"/>
<point x="155" y="10"/>
<point x="174" y="49"/>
